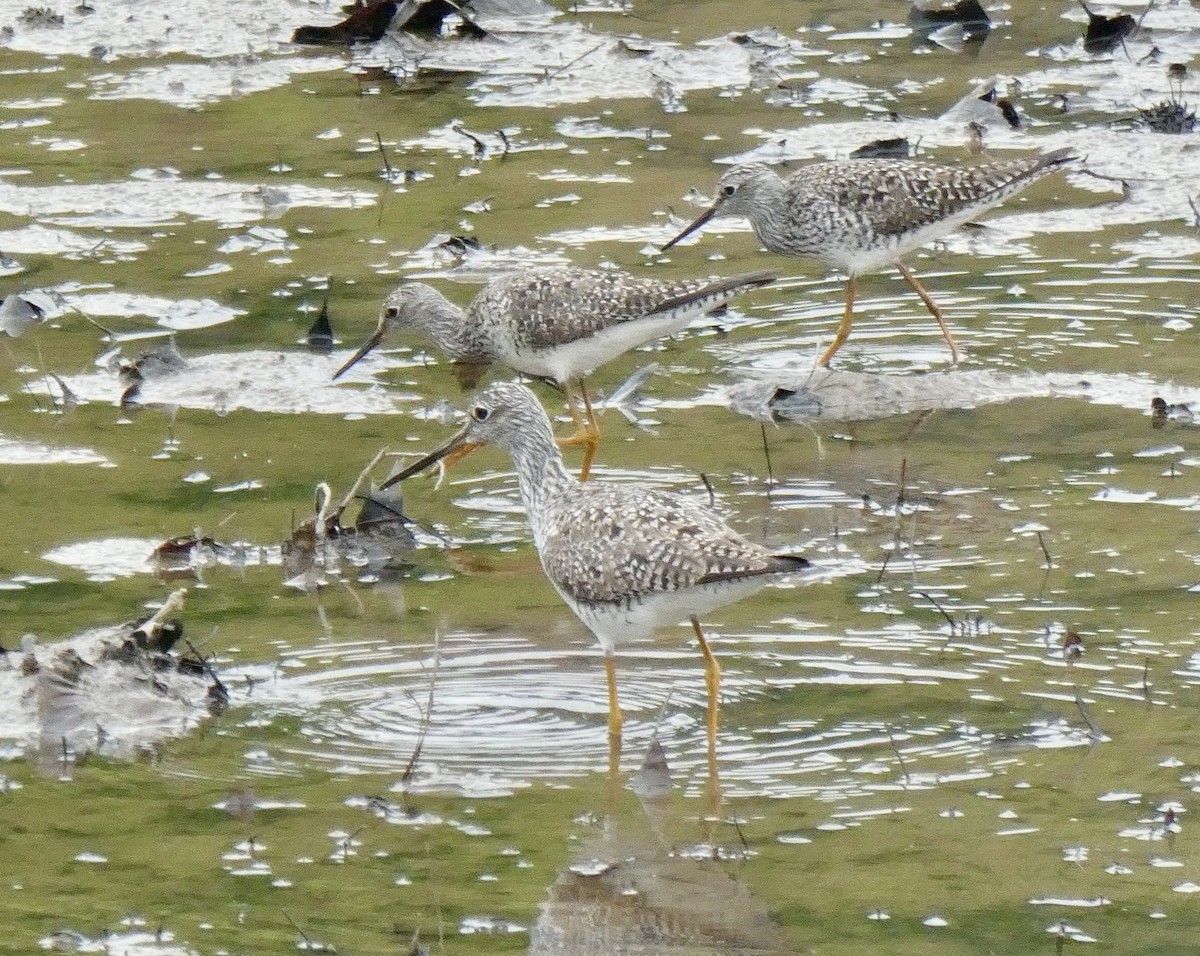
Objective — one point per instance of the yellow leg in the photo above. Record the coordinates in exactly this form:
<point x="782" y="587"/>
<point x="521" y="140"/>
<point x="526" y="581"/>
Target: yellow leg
<point x="587" y="432"/>
<point x="589" y="453"/>
<point x="843" y="331"/>
<point x="615" y="720"/>
<point x="613" y="796"/>
<point x="712" y="680"/>
<point x="931" y="306"/>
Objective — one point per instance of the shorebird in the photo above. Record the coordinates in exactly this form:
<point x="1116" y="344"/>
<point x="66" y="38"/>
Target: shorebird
<point x="626" y="559"/>
<point x="862" y="215"/>
<point x="557" y="323"/>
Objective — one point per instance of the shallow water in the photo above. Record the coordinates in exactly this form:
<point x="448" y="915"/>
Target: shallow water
<point x="908" y="760"/>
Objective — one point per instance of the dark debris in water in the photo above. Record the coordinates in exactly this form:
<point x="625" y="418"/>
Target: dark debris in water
<point x="927" y="18"/>
<point x="1168" y="116"/>
<point x="18" y="313"/>
<point x="41" y="18"/>
<point x="1004" y="105"/>
<point x="184" y="555"/>
<point x="153" y="363"/>
<point x="381" y="537"/>
<point x="897" y="147"/>
<point x="1162" y="412"/>
<point x="460" y="246"/>
<point x="1104" y="33"/>
<point x="320" y="335"/>
<point x="118" y="691"/>
<point x="970" y="13"/>
<point x="368" y="22"/>
<point x="382" y="511"/>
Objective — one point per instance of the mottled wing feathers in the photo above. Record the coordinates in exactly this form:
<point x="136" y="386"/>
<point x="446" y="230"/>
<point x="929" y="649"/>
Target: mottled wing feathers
<point x="548" y="307"/>
<point x="619" y="546"/>
<point x="900" y="197"/>
<point x="716" y="289"/>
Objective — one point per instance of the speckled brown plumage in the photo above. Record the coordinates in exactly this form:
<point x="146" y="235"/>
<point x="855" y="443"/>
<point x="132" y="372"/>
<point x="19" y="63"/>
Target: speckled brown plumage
<point x="606" y="543"/>
<point x="603" y="543"/>
<point x="626" y="558"/>
<point x="861" y="215"/>
<point x="556" y="322"/>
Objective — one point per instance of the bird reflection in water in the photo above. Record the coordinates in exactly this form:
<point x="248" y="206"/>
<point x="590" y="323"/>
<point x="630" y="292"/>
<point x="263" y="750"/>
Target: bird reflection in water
<point x="631" y="888"/>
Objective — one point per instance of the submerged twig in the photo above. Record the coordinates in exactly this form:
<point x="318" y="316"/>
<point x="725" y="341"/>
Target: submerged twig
<point x="1112" y="179"/>
<point x="570" y="63"/>
<point x="883" y="567"/>
<point x="206" y="664"/>
<point x="941" y="610"/>
<point x="767" y="455"/>
<point x="1093" y="729"/>
<point x="480" y="146"/>
<point x="358" y="483"/>
<point x="113" y="336"/>
<point x="899" y="755"/>
<point x="427" y="715"/>
<point x="387" y="165"/>
<point x="309" y="942"/>
<point x="1045" y="550"/>
<point x="737" y="826"/>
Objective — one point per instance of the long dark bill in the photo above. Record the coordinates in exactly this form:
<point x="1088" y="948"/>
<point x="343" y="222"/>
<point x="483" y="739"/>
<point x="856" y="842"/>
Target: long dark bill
<point x="456" y="448"/>
<point x="700" y="221"/>
<point x="374" y="340"/>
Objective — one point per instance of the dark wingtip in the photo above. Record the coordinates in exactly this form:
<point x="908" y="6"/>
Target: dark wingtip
<point x="1059" y="157"/>
<point x="762" y="277"/>
<point x="793" y="562"/>
<point x="749" y="280"/>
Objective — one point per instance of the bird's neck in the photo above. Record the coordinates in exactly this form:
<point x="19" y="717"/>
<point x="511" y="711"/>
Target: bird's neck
<point x="770" y="216"/>
<point x="450" y="329"/>
<point x="541" y="473"/>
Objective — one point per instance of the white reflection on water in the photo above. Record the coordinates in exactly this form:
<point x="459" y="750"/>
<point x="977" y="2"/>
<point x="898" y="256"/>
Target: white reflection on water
<point x="190" y="85"/>
<point x="141" y="202"/>
<point x="132" y="942"/>
<point x="15" y="451"/>
<point x="257" y="380"/>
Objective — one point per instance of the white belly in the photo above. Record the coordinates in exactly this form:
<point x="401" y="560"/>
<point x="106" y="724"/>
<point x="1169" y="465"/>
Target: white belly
<point x="614" y="623"/>
<point x="572" y="360"/>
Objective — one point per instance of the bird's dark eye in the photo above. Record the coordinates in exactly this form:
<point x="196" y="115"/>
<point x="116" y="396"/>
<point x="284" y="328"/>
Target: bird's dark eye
<point x="391" y="312"/>
<point x="728" y="191"/>
<point x="480" y="413"/>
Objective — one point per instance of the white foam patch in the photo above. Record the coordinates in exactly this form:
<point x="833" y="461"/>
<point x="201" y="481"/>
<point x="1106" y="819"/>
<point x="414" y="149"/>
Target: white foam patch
<point x="14" y="451"/>
<point x="190" y="85"/>
<point x="259" y="380"/>
<point x="224" y="28"/>
<point x="139" y="203"/>
<point x="175" y="314"/>
<point x="107" y="558"/>
<point x="45" y="241"/>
